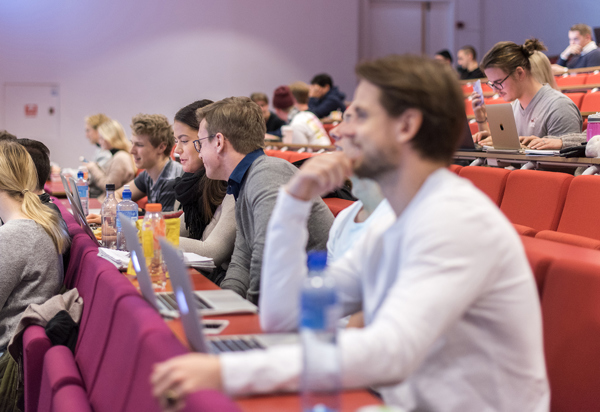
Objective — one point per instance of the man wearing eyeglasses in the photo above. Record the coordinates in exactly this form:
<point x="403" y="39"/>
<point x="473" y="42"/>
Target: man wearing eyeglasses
<point x="230" y="142"/>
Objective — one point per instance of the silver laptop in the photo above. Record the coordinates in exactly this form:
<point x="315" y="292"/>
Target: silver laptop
<point x="504" y="132"/>
<point x="77" y="209"/>
<point x="209" y="302"/>
<point x="184" y="295"/>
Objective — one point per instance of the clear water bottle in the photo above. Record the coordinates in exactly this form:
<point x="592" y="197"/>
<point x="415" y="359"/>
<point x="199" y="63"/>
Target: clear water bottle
<point x="153" y="228"/>
<point x="126" y="209"/>
<point x="84" y="192"/>
<point x="109" y="218"/>
<point x="319" y="313"/>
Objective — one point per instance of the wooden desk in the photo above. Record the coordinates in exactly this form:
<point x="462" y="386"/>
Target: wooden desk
<point x="245" y="324"/>
<point x="55" y="189"/>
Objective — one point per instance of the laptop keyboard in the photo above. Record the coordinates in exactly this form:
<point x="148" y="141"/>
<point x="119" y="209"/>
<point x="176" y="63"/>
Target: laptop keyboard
<point x="168" y="299"/>
<point x="234" y="345"/>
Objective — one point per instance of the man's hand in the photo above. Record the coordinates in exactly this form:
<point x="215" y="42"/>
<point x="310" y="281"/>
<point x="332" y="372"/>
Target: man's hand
<point x="558" y="70"/>
<point x="319" y="175"/>
<point x="315" y="91"/>
<point x="537" y="143"/>
<point x="572" y="49"/>
<point x="479" y="109"/>
<point x="176" y="378"/>
<point x="482" y="136"/>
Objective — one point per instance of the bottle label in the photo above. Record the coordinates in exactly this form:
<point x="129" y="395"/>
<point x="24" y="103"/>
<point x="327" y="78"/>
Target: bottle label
<point x="83" y="191"/>
<point x="130" y="215"/>
<point x="148" y="243"/>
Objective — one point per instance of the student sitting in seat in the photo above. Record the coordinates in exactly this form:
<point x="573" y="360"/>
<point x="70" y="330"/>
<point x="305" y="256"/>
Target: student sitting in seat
<point x="452" y="314"/>
<point x="31" y="241"/>
<point x="208" y="220"/>
<point x="539" y="110"/>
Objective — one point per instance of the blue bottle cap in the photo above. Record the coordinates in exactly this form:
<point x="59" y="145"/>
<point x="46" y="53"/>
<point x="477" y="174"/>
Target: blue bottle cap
<point x="316" y="260"/>
<point x="80" y="175"/>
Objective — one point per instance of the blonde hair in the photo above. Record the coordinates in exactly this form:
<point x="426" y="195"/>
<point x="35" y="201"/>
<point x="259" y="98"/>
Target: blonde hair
<point x="300" y="91"/>
<point x="541" y="69"/>
<point x="18" y="178"/>
<point x="112" y="132"/>
<point x="96" y="120"/>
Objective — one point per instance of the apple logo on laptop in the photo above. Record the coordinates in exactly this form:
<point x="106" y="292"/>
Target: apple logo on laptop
<point x="501" y="127"/>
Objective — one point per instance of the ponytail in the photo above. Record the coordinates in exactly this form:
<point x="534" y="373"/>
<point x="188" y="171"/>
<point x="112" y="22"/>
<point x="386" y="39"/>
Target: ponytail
<point x="48" y="219"/>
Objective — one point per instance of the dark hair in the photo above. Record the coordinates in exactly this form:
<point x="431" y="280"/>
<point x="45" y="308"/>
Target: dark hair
<point x="239" y="119"/>
<point x="4" y="135"/>
<point x="507" y="55"/>
<point x="41" y="159"/>
<point x="259" y="97"/>
<point x="187" y="115"/>
<point x="470" y="50"/>
<point x="213" y="191"/>
<point x="445" y="54"/>
<point x="322" y="80"/>
<point x="427" y="85"/>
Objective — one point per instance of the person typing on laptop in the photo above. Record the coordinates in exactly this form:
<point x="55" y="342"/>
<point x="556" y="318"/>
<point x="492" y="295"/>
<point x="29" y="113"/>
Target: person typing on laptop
<point x="452" y="317"/>
<point x="539" y="110"/>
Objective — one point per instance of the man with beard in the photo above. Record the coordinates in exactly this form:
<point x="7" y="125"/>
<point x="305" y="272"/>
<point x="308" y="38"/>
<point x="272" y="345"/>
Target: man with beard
<point x="452" y="317"/>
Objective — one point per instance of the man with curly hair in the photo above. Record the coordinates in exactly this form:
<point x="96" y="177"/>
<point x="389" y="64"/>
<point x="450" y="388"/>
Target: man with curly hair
<point x="152" y="141"/>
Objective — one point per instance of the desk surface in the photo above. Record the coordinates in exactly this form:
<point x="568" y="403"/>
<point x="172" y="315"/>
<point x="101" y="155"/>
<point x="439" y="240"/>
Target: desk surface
<point x="244" y="324"/>
<point x="519" y="158"/>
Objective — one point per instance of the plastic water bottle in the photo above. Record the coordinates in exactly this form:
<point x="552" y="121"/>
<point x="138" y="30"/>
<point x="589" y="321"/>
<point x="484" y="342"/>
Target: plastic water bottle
<point x="153" y="228"/>
<point x="126" y="209"/>
<point x="84" y="192"/>
<point x="319" y="313"/>
<point x="109" y="218"/>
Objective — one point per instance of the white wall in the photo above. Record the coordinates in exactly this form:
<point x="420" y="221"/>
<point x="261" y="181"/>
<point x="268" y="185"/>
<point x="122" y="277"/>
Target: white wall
<point x="152" y="56"/>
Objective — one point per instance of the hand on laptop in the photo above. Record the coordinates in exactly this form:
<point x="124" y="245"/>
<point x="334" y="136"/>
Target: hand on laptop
<point x="541" y="143"/>
<point x="176" y="378"/>
<point x="320" y="175"/>
<point x="94" y="218"/>
<point x="483" y="138"/>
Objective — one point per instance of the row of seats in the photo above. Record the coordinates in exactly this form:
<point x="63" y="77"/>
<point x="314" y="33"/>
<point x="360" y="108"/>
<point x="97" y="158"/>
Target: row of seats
<point x="547" y="205"/>
<point x="578" y="79"/>
<point x="120" y="338"/>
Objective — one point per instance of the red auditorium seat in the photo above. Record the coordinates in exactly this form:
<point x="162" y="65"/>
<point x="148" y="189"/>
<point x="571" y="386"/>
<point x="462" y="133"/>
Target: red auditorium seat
<point x="468" y="107"/>
<point x="591" y="102"/>
<point x="593" y="78"/>
<point x="336" y="205"/>
<point x="485" y="88"/>
<point x="571" y="80"/>
<point x="576" y="97"/>
<point x="489" y="180"/>
<point x="571" y="322"/>
<point x="455" y="168"/>
<point x="579" y="223"/>
<point x="467" y="88"/>
<point x="534" y="199"/>
<point x="295" y="156"/>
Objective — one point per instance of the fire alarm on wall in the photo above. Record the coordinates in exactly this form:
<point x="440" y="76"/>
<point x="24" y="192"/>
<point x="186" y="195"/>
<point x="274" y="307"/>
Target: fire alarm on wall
<point x="31" y="110"/>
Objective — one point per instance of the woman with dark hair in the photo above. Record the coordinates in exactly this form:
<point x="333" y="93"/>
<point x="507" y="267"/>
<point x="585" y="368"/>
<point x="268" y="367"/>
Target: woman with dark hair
<point x="539" y="110"/>
<point x="208" y="220"/>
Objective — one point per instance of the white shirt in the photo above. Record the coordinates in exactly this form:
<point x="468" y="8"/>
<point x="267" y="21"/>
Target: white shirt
<point x="308" y="129"/>
<point x="451" y="310"/>
<point x="345" y="232"/>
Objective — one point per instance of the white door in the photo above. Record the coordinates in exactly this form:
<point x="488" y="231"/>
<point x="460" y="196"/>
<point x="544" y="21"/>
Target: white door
<point x="32" y="111"/>
<point x="398" y="27"/>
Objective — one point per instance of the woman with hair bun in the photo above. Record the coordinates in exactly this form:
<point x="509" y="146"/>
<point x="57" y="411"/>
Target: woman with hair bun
<point x="539" y="109"/>
<point x="32" y="240"/>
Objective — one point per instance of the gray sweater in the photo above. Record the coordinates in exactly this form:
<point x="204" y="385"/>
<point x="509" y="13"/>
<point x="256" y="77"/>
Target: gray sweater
<point x="253" y="210"/>
<point x="30" y="271"/>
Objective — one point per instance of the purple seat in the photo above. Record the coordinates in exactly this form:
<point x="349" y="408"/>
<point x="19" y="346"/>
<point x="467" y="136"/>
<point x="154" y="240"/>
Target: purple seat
<point x="209" y="401"/>
<point x="98" y="319"/>
<point x="81" y="246"/>
<point x="133" y="322"/>
<point x="157" y="347"/>
<point x="59" y="370"/>
<point x="71" y="398"/>
<point x="35" y="346"/>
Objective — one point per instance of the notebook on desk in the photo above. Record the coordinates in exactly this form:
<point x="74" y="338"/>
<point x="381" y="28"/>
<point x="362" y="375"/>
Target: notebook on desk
<point x="184" y="295"/>
<point x="209" y="302"/>
<point x="503" y="129"/>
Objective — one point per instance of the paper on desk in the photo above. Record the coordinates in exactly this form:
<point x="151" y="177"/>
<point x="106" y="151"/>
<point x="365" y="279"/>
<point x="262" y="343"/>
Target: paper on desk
<point x="540" y="152"/>
<point x="119" y="258"/>
<point x="197" y="261"/>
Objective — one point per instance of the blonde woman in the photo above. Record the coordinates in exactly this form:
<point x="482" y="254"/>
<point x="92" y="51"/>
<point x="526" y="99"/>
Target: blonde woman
<point x="32" y="240"/>
<point x="542" y="70"/>
<point x="120" y="168"/>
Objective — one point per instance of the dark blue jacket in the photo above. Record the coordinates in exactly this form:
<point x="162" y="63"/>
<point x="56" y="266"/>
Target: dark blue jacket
<point x="330" y="101"/>
<point x="591" y="59"/>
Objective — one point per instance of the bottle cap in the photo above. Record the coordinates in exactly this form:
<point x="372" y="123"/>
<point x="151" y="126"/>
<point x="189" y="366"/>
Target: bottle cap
<point x="80" y="175"/>
<point x="126" y="193"/>
<point x="317" y="259"/>
<point x="110" y="186"/>
<point x="154" y="207"/>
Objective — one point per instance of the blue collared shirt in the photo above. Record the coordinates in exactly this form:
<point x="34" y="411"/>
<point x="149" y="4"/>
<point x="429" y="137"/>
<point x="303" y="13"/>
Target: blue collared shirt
<point x="235" y="182"/>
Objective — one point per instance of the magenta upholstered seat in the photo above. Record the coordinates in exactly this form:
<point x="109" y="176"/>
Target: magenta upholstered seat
<point x="209" y="401"/>
<point x="98" y="319"/>
<point x="59" y="370"/>
<point x="81" y="245"/>
<point x="133" y="322"/>
<point x="71" y="398"/>
<point x="35" y="346"/>
<point x="158" y="346"/>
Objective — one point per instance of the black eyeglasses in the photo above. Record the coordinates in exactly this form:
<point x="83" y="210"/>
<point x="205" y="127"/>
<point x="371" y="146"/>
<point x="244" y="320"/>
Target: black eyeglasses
<point x="198" y="145"/>
<point x="498" y="83"/>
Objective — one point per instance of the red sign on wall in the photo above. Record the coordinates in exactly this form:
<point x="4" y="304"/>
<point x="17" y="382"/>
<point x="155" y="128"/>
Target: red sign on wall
<point x="31" y="110"/>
